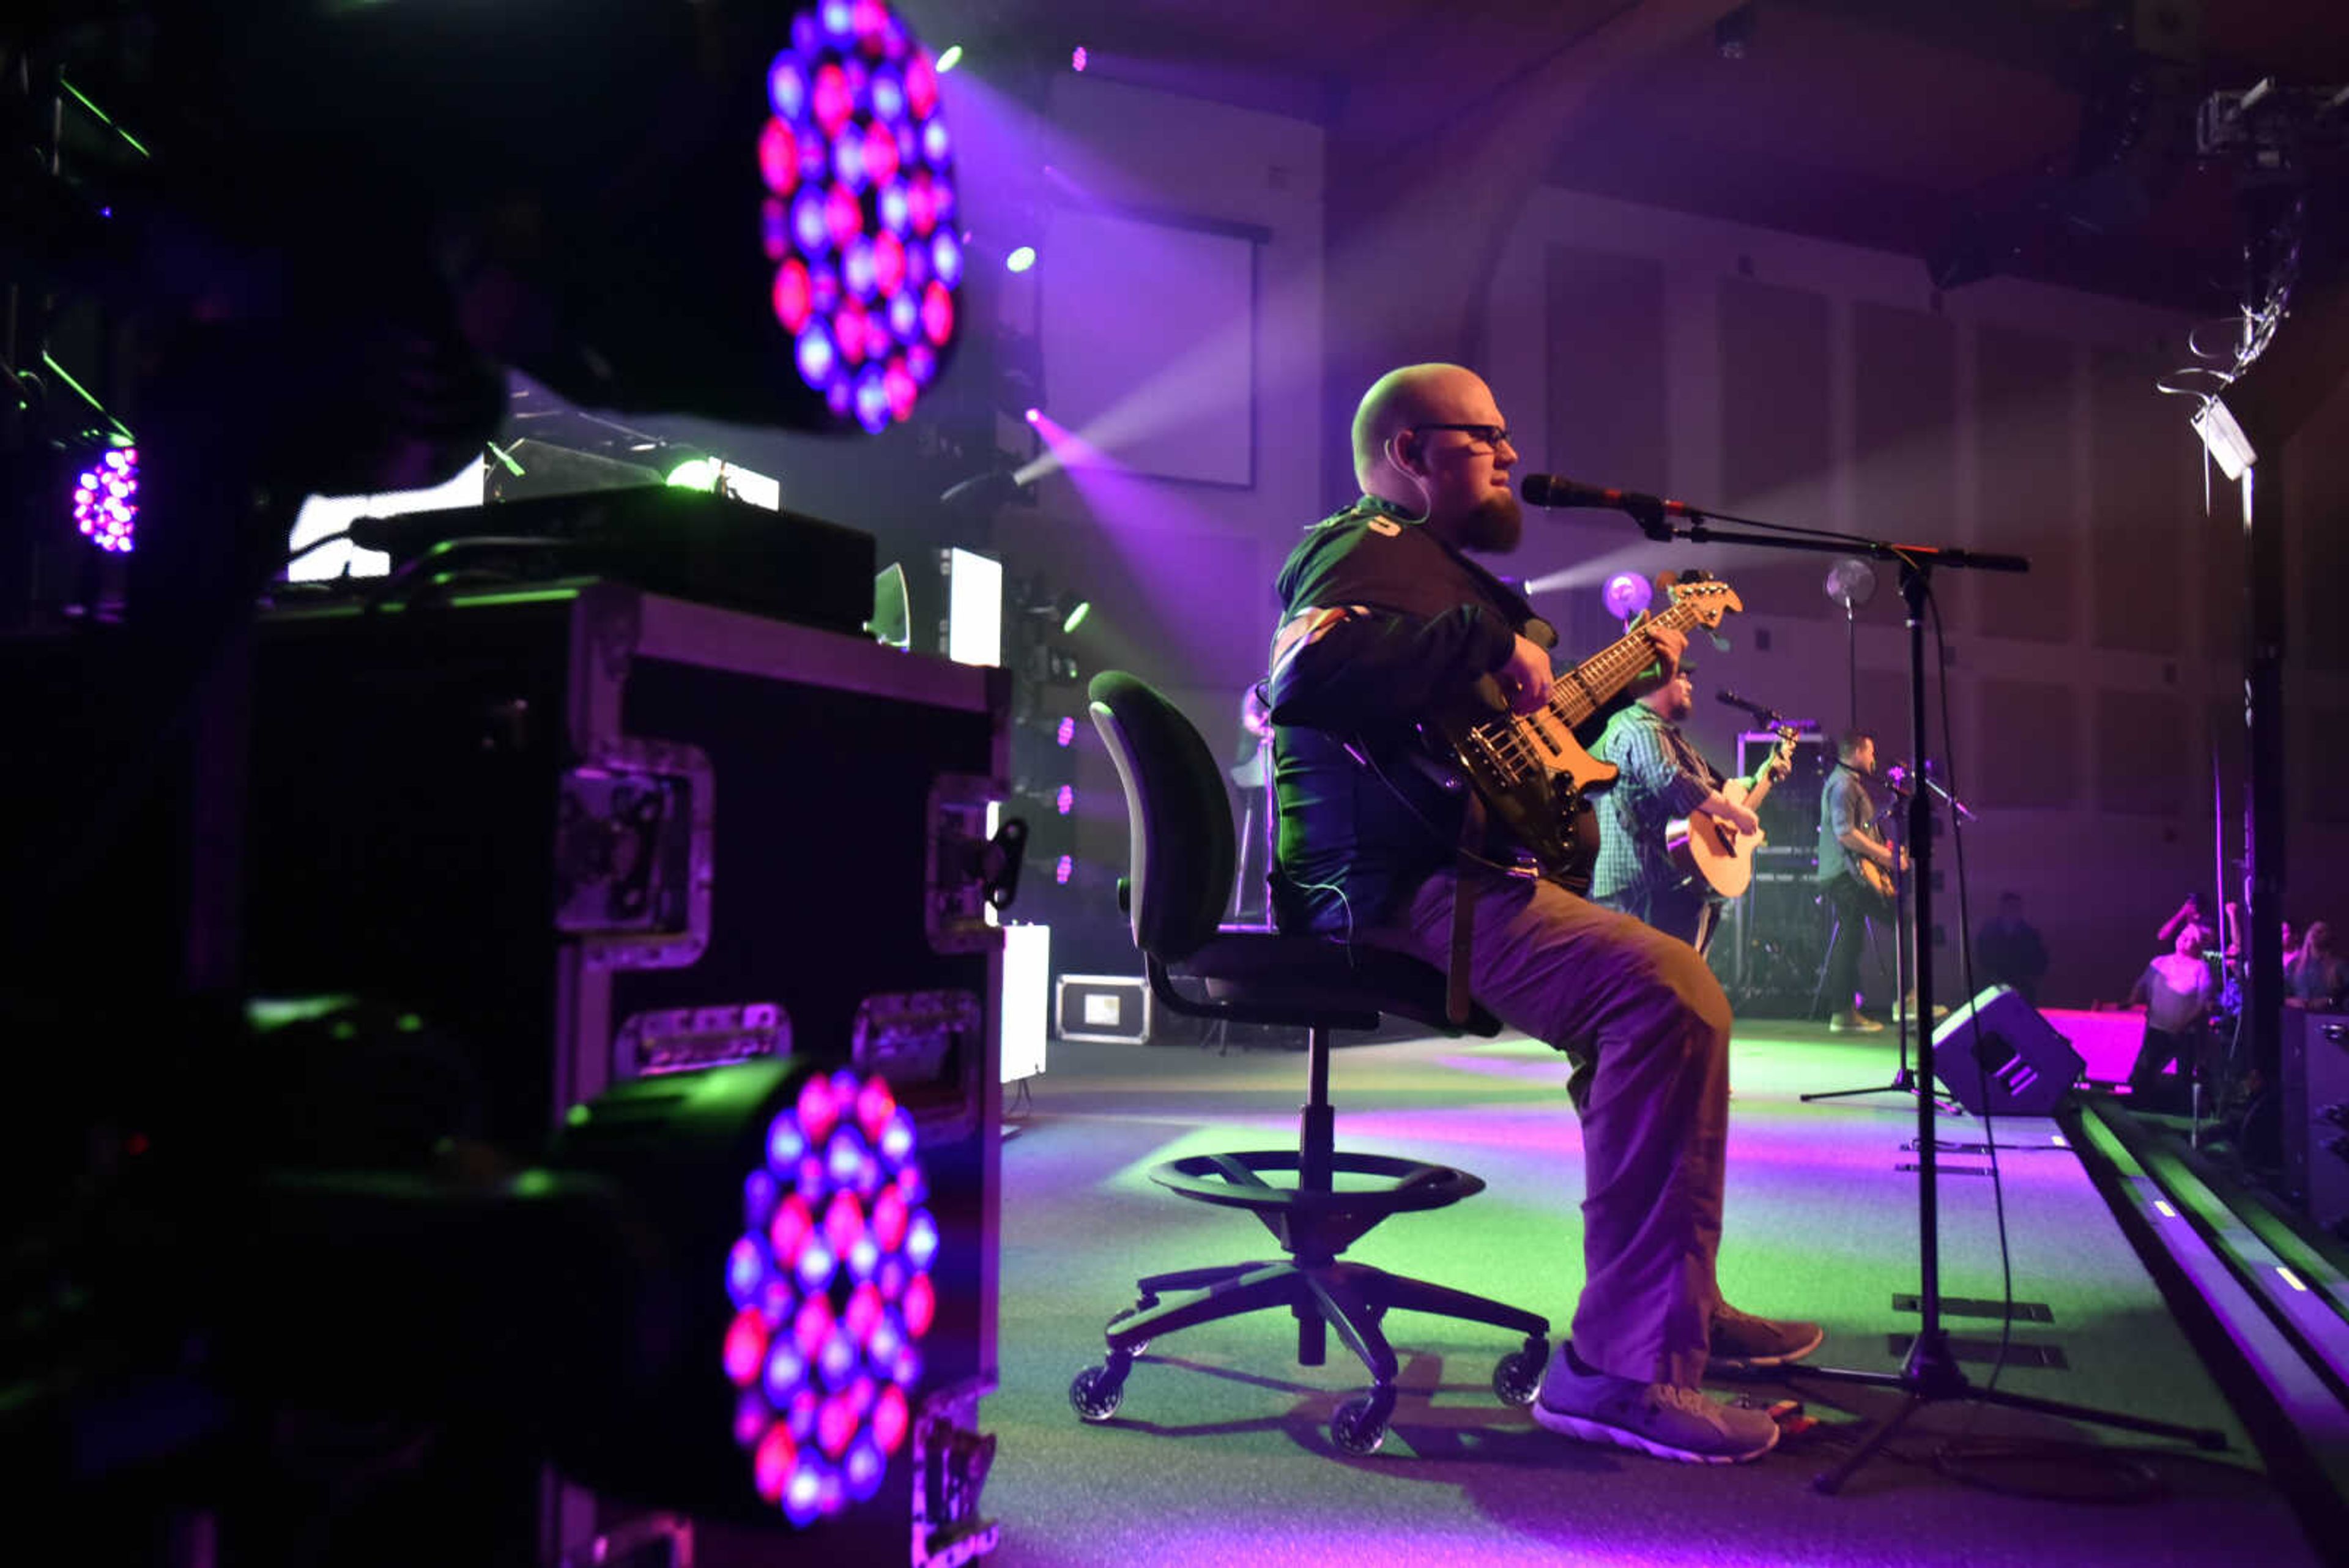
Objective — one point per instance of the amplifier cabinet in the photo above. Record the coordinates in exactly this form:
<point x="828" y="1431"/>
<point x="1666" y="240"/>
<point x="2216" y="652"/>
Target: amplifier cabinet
<point x="595" y="833"/>
<point x="1773" y="941"/>
<point x="2316" y="1114"/>
<point x="1790" y="812"/>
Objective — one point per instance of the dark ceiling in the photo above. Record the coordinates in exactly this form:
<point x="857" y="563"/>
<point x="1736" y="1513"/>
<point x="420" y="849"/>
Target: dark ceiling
<point x="2056" y="134"/>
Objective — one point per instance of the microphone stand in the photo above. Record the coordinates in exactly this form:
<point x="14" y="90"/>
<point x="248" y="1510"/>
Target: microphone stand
<point x="1930" y="1373"/>
<point x="1851" y="661"/>
<point x="1965" y="811"/>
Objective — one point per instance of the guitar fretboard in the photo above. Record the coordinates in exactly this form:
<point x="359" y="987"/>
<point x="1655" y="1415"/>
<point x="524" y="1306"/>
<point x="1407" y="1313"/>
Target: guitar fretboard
<point x="1521" y="747"/>
<point x="1589" y="685"/>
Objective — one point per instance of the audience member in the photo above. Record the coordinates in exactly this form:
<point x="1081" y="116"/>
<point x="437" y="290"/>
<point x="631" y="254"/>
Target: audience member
<point x="2178" y="990"/>
<point x="2316" y="977"/>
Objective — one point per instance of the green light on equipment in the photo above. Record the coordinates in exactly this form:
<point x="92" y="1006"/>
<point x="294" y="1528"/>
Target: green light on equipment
<point x="949" y="58"/>
<point x="1020" y="260"/>
<point x="1075" y="618"/>
<point x="697" y="474"/>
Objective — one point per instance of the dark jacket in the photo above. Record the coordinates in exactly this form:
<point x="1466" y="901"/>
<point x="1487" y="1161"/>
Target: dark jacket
<point x="1360" y="829"/>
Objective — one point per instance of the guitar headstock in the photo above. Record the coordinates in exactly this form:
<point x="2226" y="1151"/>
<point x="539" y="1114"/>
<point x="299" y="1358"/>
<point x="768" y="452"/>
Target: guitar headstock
<point x="1706" y="599"/>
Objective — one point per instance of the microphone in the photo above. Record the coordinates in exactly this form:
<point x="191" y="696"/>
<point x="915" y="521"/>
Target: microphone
<point x="1650" y="511"/>
<point x="1729" y="699"/>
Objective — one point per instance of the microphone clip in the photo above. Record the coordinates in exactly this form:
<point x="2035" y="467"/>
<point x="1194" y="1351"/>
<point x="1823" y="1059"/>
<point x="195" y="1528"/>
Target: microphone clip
<point x="1647" y="512"/>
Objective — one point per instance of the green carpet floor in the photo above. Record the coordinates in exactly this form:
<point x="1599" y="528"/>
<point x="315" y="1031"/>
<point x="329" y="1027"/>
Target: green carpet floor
<point x="1220" y="1453"/>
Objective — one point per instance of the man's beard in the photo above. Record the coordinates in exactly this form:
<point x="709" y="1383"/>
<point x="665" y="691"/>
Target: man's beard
<point x="1495" y="525"/>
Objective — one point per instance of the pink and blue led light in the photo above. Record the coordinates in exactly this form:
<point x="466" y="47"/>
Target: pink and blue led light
<point x="859" y="169"/>
<point x="1064" y="799"/>
<point x="831" y="1283"/>
<point x="106" y="501"/>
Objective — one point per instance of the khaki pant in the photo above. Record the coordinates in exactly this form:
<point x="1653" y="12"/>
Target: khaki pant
<point x="1655" y="1023"/>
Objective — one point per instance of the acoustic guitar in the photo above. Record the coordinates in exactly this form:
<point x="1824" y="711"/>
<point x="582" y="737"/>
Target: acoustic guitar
<point x="1709" y="850"/>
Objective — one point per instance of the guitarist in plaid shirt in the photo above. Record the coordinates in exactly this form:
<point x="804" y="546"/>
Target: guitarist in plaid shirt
<point x="1664" y="777"/>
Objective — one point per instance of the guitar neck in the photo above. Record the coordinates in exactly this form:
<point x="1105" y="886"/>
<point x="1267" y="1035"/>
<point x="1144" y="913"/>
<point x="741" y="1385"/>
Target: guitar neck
<point x="1593" y="683"/>
<point x="1763" y="780"/>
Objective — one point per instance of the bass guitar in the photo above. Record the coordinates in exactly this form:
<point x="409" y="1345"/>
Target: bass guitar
<point x="1530" y="772"/>
<point x="1709" y="850"/>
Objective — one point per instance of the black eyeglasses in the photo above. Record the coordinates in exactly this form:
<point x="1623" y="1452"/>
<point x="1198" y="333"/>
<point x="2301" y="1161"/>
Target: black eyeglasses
<point x="1490" y="435"/>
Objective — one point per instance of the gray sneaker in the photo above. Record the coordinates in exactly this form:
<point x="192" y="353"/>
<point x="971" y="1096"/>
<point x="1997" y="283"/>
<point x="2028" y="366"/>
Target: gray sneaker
<point x="1744" y="1343"/>
<point x="1659" y="1419"/>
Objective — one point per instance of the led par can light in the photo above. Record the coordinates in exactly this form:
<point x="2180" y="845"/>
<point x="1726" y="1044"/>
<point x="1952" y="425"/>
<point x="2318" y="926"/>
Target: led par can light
<point x="791" y="1207"/>
<point x="743" y="209"/>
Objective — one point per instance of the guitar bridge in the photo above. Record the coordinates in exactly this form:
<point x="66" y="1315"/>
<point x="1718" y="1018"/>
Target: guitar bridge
<point x="1502" y="765"/>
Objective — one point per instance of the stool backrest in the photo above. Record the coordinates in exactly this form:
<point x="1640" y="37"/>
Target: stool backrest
<point x="1179" y="819"/>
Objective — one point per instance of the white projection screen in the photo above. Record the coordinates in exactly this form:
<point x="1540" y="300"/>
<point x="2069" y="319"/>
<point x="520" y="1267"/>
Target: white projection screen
<point x="1148" y="334"/>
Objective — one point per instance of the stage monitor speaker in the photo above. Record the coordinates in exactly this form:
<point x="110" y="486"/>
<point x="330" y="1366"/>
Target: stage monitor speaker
<point x="1997" y="1056"/>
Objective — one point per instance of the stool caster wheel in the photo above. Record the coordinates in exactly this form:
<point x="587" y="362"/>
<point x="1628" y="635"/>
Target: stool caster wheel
<point x="1360" y="1426"/>
<point x="1517" y="1377"/>
<point x="1096" y="1392"/>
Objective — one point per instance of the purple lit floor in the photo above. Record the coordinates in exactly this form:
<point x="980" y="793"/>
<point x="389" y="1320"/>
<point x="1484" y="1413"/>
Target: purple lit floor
<point x="1220" y="1454"/>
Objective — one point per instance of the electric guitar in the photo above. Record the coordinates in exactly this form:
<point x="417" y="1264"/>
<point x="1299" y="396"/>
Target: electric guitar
<point x="1876" y="879"/>
<point x="1707" y="849"/>
<point x="1530" y="772"/>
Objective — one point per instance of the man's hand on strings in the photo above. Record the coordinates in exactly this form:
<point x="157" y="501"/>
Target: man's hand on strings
<point x="1738" y="817"/>
<point x="1669" y="642"/>
<point x="1525" y="680"/>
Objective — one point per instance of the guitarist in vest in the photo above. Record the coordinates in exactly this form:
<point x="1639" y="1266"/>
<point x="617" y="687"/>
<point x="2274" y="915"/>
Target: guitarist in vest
<point x="1385" y="622"/>
<point x="1664" y="777"/>
<point x="1856" y="868"/>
